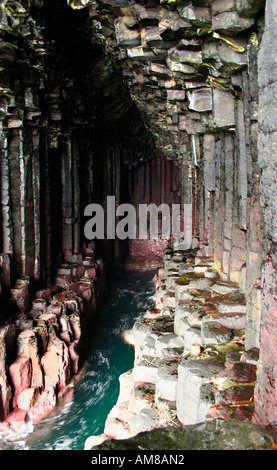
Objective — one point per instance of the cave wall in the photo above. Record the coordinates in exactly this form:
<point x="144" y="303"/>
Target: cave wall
<point x="191" y="68"/>
<point x="157" y="181"/>
<point x="109" y="90"/>
<point x="265" y="391"/>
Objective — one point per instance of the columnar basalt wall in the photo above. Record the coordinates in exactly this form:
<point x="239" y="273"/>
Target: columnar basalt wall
<point x="55" y="154"/>
<point x="192" y="71"/>
<point x="95" y="94"/>
<point x="70" y="136"/>
<point x="157" y="181"/>
<point x="265" y="396"/>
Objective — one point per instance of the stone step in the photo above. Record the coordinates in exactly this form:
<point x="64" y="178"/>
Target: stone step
<point x="238" y="372"/>
<point x="116" y="429"/>
<point x="212" y="274"/>
<point x="195" y="377"/>
<point x="187" y="267"/>
<point x="191" y="336"/>
<point x="168" y="340"/>
<point x="221" y="287"/>
<point x="231" y="302"/>
<point x="169" y="299"/>
<point x="170" y="280"/>
<point x="171" y="352"/>
<point x="149" y="347"/>
<point x="159" y="299"/>
<point x="145" y="327"/>
<point x="146" y="420"/>
<point x="181" y="314"/>
<point x="232" y="320"/>
<point x="230" y="412"/>
<point x="125" y="387"/>
<point x="199" y="294"/>
<point x="214" y="332"/>
<point x="251" y="356"/>
<point x="143" y="395"/>
<point x="234" y="395"/>
<point x="146" y="370"/>
<point x="154" y="344"/>
<point x="204" y="261"/>
<point x="201" y="268"/>
<point x="153" y="313"/>
<point x="231" y="308"/>
<point x="166" y="384"/>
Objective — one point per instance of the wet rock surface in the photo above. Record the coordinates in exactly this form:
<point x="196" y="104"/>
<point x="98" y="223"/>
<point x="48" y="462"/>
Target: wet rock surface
<point x="215" y="435"/>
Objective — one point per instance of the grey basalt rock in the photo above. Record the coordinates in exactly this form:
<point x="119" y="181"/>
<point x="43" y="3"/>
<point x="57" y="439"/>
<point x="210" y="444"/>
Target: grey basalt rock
<point x="224" y="108"/>
<point x="198" y="16"/>
<point x="200" y="100"/>
<point x="193" y="374"/>
<point x="231" y="22"/>
<point x="230" y="56"/>
<point x="214" y="332"/>
<point x="248" y="8"/>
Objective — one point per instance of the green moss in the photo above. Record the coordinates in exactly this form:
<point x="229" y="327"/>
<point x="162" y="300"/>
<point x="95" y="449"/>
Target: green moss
<point x="213" y="435"/>
<point x="221" y="350"/>
<point x="230" y="298"/>
<point x="185" y="279"/>
<point x="181" y="282"/>
<point x="170" y="2"/>
<point x="254" y="40"/>
<point x="202" y="294"/>
<point x="163" y="325"/>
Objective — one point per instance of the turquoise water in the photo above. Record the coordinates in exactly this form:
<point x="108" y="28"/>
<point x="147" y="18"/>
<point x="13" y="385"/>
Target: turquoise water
<point x="83" y="412"/>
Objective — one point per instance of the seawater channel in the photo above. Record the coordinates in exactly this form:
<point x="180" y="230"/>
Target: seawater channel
<point x="83" y="412"/>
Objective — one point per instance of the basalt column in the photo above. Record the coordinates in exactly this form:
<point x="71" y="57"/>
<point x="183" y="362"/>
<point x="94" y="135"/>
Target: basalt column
<point x="156" y="182"/>
<point x="265" y="391"/>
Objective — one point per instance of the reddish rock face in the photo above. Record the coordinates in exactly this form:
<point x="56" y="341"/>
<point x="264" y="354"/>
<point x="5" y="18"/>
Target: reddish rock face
<point x="231" y="412"/>
<point x="27" y="398"/>
<point x="44" y="294"/>
<point x="17" y="419"/>
<point x="46" y="342"/>
<point x="155" y="182"/>
<point x="91" y="271"/>
<point x="20" y="295"/>
<point x="240" y="372"/>
<point x="265" y="390"/>
<point x="7" y="342"/>
<point x="74" y="357"/>
<point x="21" y="376"/>
<point x="55" y="364"/>
<point x="43" y="406"/>
<point x="146" y="251"/>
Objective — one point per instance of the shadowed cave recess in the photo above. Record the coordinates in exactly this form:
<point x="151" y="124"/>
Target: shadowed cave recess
<point x="151" y="102"/>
